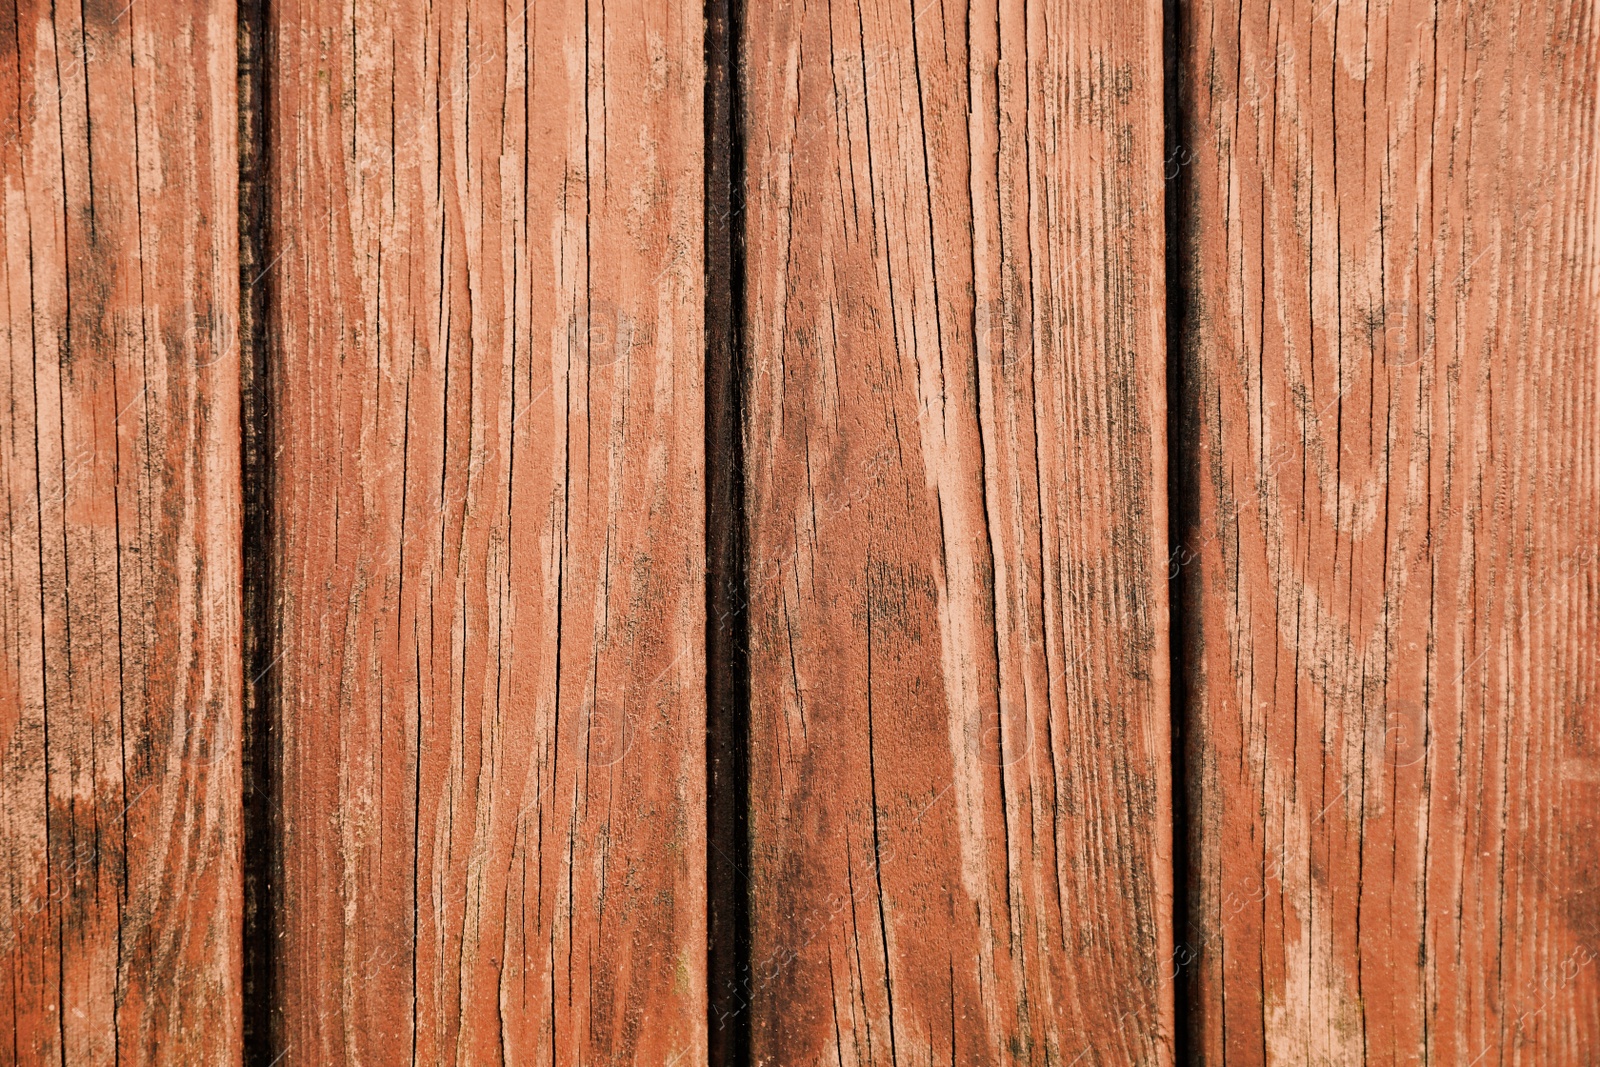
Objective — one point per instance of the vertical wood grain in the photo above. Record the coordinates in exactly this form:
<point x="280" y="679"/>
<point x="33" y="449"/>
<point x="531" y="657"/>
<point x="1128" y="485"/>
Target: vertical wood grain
<point x="489" y="507"/>
<point x="1390" y="441"/>
<point x="119" y="472"/>
<point x="960" y="835"/>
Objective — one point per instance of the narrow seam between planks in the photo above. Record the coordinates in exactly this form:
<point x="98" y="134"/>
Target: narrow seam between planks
<point x="727" y="654"/>
<point x="260" y="861"/>
<point x="1181" y="517"/>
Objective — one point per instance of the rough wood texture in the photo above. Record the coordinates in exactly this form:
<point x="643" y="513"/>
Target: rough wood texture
<point x="1391" y="573"/>
<point x="489" y="418"/>
<point x="119" y="536"/>
<point x="960" y="838"/>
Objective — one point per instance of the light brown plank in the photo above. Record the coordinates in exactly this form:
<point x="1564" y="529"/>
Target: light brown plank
<point x="489" y="526"/>
<point x="956" y="449"/>
<point x="119" y="535"/>
<point x="1391" y="575"/>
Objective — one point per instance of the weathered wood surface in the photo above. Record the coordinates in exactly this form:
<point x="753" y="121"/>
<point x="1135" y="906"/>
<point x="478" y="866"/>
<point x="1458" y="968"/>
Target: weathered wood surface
<point x="489" y="459"/>
<point x="1390" y="435"/>
<point x="492" y="365"/>
<point x="119" y="536"/>
<point x="956" y="450"/>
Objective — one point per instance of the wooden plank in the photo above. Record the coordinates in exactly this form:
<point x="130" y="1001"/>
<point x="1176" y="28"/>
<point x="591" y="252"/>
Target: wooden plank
<point x="119" y="536"/>
<point x="960" y="836"/>
<point x="490" y="531"/>
<point x="1391" y="437"/>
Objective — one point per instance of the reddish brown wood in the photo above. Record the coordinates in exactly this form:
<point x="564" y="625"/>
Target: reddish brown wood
<point x="1390" y="364"/>
<point x="488" y="412"/>
<point x="956" y="443"/>
<point x="119" y="536"/>
<point x="486" y="383"/>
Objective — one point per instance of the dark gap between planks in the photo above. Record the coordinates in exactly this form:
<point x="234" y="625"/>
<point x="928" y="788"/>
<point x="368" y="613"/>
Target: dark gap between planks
<point x="261" y="848"/>
<point x="727" y="658"/>
<point x="1182" y="516"/>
